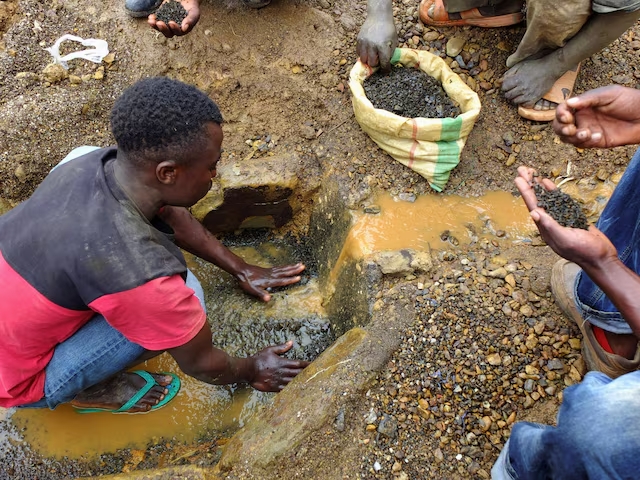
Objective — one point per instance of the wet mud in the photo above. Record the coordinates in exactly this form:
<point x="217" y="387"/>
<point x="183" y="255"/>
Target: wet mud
<point x="409" y="92"/>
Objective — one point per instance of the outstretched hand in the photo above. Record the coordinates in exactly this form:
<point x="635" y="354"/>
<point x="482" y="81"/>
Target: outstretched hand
<point x="377" y="41"/>
<point x="273" y="372"/>
<point x="172" y="28"/>
<point x="602" y="118"/>
<point x="256" y="280"/>
<point x="582" y="247"/>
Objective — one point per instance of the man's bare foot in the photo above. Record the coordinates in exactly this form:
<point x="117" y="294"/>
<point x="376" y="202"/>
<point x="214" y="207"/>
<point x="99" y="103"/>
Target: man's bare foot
<point x="116" y="391"/>
<point x="526" y="82"/>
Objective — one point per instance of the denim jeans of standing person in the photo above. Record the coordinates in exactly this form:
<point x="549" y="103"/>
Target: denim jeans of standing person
<point x="95" y="352"/>
<point x="598" y="431"/>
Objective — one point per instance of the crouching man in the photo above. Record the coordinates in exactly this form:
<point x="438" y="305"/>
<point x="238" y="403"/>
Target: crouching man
<point x="92" y="278"/>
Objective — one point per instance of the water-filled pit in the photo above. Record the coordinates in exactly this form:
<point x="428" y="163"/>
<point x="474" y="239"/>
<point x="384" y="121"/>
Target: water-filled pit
<point x="241" y="325"/>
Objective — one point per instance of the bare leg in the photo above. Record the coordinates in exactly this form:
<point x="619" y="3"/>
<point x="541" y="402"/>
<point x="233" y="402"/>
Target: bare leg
<point x="117" y="390"/>
<point x="526" y="82"/>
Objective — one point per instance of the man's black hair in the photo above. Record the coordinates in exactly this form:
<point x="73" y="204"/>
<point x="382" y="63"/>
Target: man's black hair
<point x="159" y="116"/>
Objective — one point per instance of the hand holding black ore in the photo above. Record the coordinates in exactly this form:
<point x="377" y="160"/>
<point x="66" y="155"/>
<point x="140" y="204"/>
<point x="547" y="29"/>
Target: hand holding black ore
<point x="561" y="207"/>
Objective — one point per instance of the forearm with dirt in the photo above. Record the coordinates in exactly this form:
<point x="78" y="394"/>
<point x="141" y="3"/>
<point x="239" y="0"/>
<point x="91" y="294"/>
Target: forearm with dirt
<point x="266" y="370"/>
<point x="620" y="284"/>
<point x="193" y="237"/>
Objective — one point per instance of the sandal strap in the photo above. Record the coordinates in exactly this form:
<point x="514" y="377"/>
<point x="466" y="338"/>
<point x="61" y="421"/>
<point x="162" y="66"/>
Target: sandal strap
<point x="151" y="382"/>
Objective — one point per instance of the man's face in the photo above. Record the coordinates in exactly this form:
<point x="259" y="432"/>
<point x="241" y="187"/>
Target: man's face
<point x="194" y="180"/>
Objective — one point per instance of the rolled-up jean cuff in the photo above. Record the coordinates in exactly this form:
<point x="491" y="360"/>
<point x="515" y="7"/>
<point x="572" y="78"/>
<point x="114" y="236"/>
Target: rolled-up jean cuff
<point x="502" y="469"/>
<point x="609" y="321"/>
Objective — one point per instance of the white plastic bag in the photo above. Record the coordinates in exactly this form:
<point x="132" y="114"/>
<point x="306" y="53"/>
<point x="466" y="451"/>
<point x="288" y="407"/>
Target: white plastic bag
<point x="95" y="55"/>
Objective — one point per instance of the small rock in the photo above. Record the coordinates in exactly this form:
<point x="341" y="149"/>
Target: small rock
<point x="485" y="423"/>
<point x="438" y="455"/>
<point x="498" y="273"/>
<point x="528" y="385"/>
<point x="510" y="279"/>
<point x="526" y="310"/>
<point x="494" y="359"/>
<point x="454" y="46"/>
<point x="539" y="327"/>
<point x="555" y="364"/>
<point x="99" y="74"/>
<point x="602" y="174"/>
<point x="430" y="36"/>
<point x="575" y="343"/>
<point x="109" y="59"/>
<point x="388" y="426"/>
<point x="407" y="197"/>
<point x="574" y="374"/>
<point x="20" y="173"/>
<point x="372" y="209"/>
<point x="308" y="132"/>
<point x="54" y="72"/>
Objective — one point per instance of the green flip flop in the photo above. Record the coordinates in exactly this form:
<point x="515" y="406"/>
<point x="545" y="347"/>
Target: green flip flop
<point x="173" y="388"/>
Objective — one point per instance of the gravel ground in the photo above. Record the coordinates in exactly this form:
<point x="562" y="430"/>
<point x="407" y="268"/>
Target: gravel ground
<point x="487" y="348"/>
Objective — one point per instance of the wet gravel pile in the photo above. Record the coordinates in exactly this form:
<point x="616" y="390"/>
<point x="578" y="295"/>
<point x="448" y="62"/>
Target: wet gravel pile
<point x="171" y="11"/>
<point x="409" y="92"/>
<point x="487" y="348"/>
<point x="561" y="207"/>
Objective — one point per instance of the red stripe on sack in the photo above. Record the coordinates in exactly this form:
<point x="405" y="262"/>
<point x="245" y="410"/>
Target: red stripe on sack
<point x="414" y="134"/>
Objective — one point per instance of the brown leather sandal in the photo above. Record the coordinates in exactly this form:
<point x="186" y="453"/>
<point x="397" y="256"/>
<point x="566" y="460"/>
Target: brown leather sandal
<point x="432" y="12"/>
<point x="559" y="92"/>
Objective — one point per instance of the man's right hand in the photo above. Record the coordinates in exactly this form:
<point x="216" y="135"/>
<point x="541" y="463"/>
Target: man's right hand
<point x="273" y="372"/>
<point x="583" y="247"/>
<point x="602" y="118"/>
<point x="378" y="38"/>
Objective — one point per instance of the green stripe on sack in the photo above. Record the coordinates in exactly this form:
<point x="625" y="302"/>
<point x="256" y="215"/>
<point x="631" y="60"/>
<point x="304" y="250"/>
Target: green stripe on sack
<point x="397" y="53"/>
<point x="448" y="159"/>
<point x="450" y="129"/>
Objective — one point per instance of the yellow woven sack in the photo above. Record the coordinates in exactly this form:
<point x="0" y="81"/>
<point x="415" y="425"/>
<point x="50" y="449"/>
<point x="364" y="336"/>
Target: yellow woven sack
<point x="430" y="146"/>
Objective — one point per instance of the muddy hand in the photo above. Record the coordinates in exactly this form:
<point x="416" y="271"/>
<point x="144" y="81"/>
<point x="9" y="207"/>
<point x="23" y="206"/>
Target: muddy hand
<point x="377" y="41"/>
<point x="602" y="118"/>
<point x="273" y="372"/>
<point x="256" y="280"/>
<point x="576" y="245"/>
<point x="172" y="28"/>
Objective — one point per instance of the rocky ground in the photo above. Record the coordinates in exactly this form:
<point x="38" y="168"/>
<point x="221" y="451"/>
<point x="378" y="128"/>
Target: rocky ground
<point x="487" y="347"/>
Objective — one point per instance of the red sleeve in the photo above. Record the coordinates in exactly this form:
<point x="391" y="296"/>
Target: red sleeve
<point x="163" y="313"/>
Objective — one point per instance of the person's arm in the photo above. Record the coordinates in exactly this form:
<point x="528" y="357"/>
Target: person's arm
<point x="173" y="29"/>
<point x="193" y="237"/>
<point x="590" y="249"/>
<point x="602" y="118"/>
<point x="377" y="38"/>
<point x="266" y="371"/>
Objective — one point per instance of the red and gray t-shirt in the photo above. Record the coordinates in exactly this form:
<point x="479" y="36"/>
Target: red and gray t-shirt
<point x="78" y="247"/>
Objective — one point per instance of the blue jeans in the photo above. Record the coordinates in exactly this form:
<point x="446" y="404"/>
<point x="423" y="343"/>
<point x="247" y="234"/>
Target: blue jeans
<point x="95" y="352"/>
<point x="598" y="432"/>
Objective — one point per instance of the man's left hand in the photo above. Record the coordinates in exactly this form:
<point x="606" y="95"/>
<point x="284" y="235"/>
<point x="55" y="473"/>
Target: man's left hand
<point x="172" y="28"/>
<point x="256" y="280"/>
